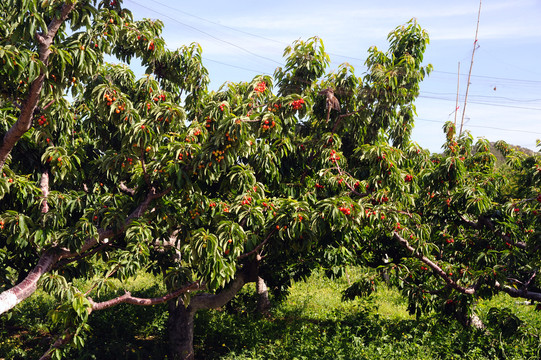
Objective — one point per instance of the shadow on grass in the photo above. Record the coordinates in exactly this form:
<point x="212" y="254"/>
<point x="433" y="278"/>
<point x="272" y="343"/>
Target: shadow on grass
<point x="360" y="334"/>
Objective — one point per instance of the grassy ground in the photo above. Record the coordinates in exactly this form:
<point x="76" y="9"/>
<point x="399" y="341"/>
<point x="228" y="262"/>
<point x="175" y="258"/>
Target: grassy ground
<point x="311" y="323"/>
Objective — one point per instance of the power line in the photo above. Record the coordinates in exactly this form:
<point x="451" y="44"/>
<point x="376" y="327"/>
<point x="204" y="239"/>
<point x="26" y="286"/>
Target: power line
<point x="486" y="96"/>
<point x="218" y="24"/>
<point x="234" y="66"/>
<point x="481" y="103"/>
<point x="483" y="127"/>
<point x="492" y="77"/>
<point x="208" y="34"/>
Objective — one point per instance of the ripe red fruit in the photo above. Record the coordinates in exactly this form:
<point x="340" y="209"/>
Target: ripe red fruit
<point x="539" y="197"/>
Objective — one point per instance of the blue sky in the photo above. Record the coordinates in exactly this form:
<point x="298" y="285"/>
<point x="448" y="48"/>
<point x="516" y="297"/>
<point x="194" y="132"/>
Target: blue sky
<point x="241" y="39"/>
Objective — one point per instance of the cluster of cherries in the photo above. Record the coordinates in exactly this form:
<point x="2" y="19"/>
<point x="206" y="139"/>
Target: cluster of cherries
<point x="297" y="104"/>
<point x="334" y="156"/>
<point x="345" y="210"/>
<point x="261" y="87"/>
<point x="267" y="125"/>
<point x="42" y="121"/>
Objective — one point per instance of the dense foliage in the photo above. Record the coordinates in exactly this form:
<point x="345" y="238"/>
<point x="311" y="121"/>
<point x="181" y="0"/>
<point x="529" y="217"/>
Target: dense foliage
<point x="268" y="178"/>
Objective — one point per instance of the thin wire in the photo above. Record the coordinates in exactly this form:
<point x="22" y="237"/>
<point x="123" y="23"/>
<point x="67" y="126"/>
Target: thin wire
<point x="344" y="56"/>
<point x="491" y="77"/>
<point x="482" y="103"/>
<point x="218" y="24"/>
<point x="483" y="127"/>
<point x="486" y="96"/>
<point x="235" y="66"/>
<point x="208" y="34"/>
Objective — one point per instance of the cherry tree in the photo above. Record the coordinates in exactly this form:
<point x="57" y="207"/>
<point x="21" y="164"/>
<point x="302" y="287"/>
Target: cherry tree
<point x="108" y="175"/>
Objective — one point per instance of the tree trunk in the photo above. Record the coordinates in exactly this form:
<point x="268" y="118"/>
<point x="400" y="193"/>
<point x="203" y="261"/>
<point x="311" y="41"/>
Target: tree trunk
<point x="263" y="303"/>
<point x="180" y="322"/>
<point x="180" y="331"/>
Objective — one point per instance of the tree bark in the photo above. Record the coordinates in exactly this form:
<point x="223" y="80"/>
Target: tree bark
<point x="180" y="323"/>
<point x="180" y="331"/>
<point x="263" y="302"/>
<point x="24" y="122"/>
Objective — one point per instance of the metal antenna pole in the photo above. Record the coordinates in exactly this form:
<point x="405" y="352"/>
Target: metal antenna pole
<point x="471" y="65"/>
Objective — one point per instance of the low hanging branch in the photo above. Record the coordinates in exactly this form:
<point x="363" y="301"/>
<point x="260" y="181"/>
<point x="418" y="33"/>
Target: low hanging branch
<point x="214" y="301"/>
<point x="13" y="296"/>
<point x="438" y="270"/>
<point x="24" y="122"/>
<point x="127" y="298"/>
<point x="59" y="343"/>
<point x="512" y="291"/>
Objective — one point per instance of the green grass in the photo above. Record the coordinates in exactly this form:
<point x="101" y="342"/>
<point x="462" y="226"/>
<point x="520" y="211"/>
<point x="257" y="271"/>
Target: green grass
<point x="311" y="323"/>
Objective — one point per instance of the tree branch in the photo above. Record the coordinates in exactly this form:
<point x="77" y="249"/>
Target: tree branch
<point x="44" y="186"/>
<point x="438" y="270"/>
<point x="519" y="293"/>
<point x="483" y="221"/>
<point x="65" y="262"/>
<point x="513" y="292"/>
<point x="24" y="122"/>
<point x="214" y="301"/>
<point x="257" y="248"/>
<point x="129" y="299"/>
<point x="13" y="296"/>
<point x="60" y="342"/>
<point x="122" y="186"/>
